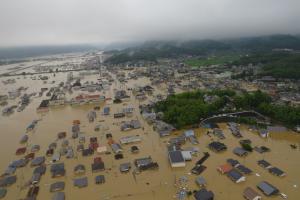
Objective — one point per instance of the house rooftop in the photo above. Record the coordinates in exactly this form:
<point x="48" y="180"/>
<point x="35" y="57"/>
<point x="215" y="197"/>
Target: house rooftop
<point x="264" y="163"/>
<point x="81" y="182"/>
<point x="240" y="151"/>
<point x="276" y="171"/>
<point x="100" y="179"/>
<point x="267" y="188"/>
<point x="204" y="194"/>
<point x="251" y="194"/>
<point x="235" y="176"/>
<point x="233" y="162"/>
<point x="243" y="169"/>
<point x="58" y="196"/>
<point x="57" y="186"/>
<point x="176" y="159"/>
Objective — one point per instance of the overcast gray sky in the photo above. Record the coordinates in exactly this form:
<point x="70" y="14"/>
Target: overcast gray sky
<point x="38" y="22"/>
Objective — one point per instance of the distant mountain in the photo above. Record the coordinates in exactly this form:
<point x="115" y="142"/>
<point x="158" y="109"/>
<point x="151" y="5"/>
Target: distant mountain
<point x="151" y="51"/>
<point x="33" y="51"/>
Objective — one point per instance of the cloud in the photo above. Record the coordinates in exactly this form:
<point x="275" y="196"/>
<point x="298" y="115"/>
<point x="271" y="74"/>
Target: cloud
<point x="37" y="22"/>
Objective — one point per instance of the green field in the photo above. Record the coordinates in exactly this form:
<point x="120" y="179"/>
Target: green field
<point x="217" y="60"/>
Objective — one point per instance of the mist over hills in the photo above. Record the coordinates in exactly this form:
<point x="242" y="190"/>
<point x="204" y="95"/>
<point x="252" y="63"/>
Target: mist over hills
<point x="151" y="50"/>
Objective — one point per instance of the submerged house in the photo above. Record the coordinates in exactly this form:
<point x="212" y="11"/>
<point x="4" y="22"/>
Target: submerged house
<point x="224" y="169"/>
<point x="58" y="196"/>
<point x="125" y="167"/>
<point x="121" y="94"/>
<point x="198" y="169"/>
<point x="219" y="133"/>
<point x="100" y="179"/>
<point x="44" y="106"/>
<point x="190" y="134"/>
<point x="217" y="146"/>
<point x="145" y="163"/>
<point x="3" y="192"/>
<point x="106" y="110"/>
<point x="38" y="161"/>
<point x="130" y="139"/>
<point x="236" y="176"/>
<point x="267" y="188"/>
<point x="263" y="133"/>
<point x="276" y="171"/>
<point x="243" y="169"/>
<point x="87" y="99"/>
<point x="163" y="129"/>
<point x="57" y="170"/>
<point x="204" y="194"/>
<point x="133" y="124"/>
<point x="80" y="182"/>
<point x="176" y="159"/>
<point x="57" y="99"/>
<point x="264" y="164"/>
<point x="116" y="148"/>
<point x="200" y="181"/>
<point x="7" y="181"/>
<point x="251" y="194"/>
<point x="240" y="151"/>
<point x="232" y="162"/>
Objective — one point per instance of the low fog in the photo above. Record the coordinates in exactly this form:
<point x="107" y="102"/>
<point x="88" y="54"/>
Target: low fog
<point x="53" y="22"/>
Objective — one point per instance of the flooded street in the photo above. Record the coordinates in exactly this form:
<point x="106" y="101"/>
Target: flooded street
<point x="148" y="185"/>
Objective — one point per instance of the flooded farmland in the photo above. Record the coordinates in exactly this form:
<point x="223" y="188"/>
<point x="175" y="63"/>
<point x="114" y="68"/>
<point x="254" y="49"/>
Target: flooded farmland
<point x="158" y="183"/>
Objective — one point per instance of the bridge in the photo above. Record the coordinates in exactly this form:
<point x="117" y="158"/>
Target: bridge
<point x="232" y="116"/>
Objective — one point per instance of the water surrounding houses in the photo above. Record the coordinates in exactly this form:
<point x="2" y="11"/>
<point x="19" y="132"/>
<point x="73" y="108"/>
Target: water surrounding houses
<point x="73" y="140"/>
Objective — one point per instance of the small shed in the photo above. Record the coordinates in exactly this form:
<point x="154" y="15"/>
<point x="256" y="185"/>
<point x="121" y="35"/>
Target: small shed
<point x="200" y="181"/>
<point x="240" y="151"/>
<point x="125" y="167"/>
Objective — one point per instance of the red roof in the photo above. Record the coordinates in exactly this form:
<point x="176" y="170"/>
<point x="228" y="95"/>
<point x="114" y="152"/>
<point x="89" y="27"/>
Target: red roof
<point x="97" y="160"/>
<point x="94" y="146"/>
<point x="225" y="168"/>
<point x="29" y="156"/>
<point x="21" y="151"/>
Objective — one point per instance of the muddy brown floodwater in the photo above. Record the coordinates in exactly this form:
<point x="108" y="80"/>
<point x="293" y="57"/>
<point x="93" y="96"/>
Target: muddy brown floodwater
<point x="148" y="185"/>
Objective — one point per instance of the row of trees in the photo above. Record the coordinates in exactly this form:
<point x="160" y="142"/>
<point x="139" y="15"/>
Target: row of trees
<point x="189" y="108"/>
